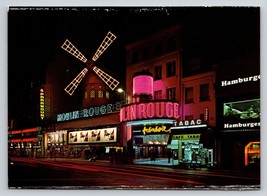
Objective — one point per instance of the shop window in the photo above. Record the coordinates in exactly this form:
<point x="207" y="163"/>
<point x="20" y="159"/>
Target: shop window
<point x="252" y="154"/>
<point x="92" y="94"/>
<point x="158" y="95"/>
<point x="171" y="69"/>
<point x="204" y="92"/>
<point x="157" y="49"/>
<point x="189" y="95"/>
<point x="157" y="72"/>
<point x="100" y="94"/>
<point x="171" y="93"/>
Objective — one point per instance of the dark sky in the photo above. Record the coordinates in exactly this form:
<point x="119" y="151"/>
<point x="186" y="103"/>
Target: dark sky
<point x="35" y="35"/>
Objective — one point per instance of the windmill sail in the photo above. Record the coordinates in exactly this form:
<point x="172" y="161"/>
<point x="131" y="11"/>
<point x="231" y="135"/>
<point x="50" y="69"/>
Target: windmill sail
<point x="70" y="48"/>
<point x="75" y="82"/>
<point x="111" y="82"/>
<point x="110" y="37"/>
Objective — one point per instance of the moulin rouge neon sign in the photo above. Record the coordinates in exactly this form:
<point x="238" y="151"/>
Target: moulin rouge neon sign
<point x="149" y="110"/>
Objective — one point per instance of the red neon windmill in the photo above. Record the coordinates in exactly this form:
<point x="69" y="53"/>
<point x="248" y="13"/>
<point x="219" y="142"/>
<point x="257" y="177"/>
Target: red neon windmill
<point x="70" y="48"/>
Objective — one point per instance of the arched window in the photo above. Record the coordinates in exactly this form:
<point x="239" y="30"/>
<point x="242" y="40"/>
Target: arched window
<point x="92" y="94"/>
<point x="100" y="94"/>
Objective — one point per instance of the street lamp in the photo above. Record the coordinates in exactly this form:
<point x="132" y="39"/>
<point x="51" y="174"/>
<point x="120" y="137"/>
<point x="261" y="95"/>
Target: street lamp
<point x="121" y="91"/>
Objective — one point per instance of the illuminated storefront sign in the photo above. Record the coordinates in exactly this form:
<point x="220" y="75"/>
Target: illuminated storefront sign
<point x="241" y="114"/>
<point x="93" y="136"/>
<point x="24" y="140"/>
<point x="42" y="104"/>
<point x="149" y="111"/>
<point x="89" y="112"/>
<point x="240" y="80"/>
<point x="157" y="129"/>
<point x="186" y="137"/>
<point x="188" y="122"/>
<point x="24" y="131"/>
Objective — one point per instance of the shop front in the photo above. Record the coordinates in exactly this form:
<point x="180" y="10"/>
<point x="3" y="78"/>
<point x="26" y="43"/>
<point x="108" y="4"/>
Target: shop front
<point x="192" y="144"/>
<point x="26" y="143"/>
<point x="147" y="130"/>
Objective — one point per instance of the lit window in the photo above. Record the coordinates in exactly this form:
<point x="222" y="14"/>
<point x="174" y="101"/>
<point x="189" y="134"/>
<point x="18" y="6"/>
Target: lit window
<point x="171" y="93"/>
<point x="85" y="95"/>
<point x="171" y="69"/>
<point x="92" y="94"/>
<point x="100" y="94"/>
<point x="189" y="95"/>
<point x="204" y="92"/>
<point x="107" y="94"/>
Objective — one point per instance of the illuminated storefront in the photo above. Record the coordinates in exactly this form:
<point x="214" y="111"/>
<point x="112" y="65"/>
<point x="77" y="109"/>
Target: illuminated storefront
<point x="26" y="142"/>
<point x="192" y="144"/>
<point x="147" y="127"/>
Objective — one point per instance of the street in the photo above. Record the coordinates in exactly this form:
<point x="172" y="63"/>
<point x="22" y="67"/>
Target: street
<point x="83" y="174"/>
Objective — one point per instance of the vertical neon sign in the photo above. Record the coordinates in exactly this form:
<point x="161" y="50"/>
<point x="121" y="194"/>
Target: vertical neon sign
<point x="42" y="103"/>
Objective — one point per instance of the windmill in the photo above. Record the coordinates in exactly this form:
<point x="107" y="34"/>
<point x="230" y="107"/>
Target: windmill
<point x="70" y="48"/>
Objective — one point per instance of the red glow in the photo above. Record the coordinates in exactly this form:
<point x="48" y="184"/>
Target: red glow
<point x="143" y="84"/>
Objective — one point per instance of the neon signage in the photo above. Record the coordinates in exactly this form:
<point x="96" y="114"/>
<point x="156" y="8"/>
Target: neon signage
<point x="89" y="112"/>
<point x="157" y="129"/>
<point x="240" y="80"/>
<point x="42" y="104"/>
<point x="188" y="122"/>
<point x="24" y="131"/>
<point x="149" y="110"/>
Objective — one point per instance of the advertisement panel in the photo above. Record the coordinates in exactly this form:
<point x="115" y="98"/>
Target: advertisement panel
<point x="242" y="114"/>
<point x="93" y="136"/>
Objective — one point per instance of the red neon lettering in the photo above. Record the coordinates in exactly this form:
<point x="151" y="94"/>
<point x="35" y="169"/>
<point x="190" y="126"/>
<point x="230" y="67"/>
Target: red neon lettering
<point x="169" y="109"/>
<point x="160" y="109"/>
<point x="176" y="110"/>
<point x="150" y="110"/>
<point x="132" y="112"/>
<point x="142" y="111"/>
<point x="123" y="115"/>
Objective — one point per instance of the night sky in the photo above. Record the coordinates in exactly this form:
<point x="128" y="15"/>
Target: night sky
<point x="35" y="35"/>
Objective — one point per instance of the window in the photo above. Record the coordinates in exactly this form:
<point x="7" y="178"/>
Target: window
<point x="189" y="95"/>
<point x="171" y="94"/>
<point x="92" y="94"/>
<point x="100" y="94"/>
<point x="157" y="73"/>
<point x="145" y="53"/>
<point x="135" y="57"/>
<point x="107" y="94"/>
<point x="171" y="69"/>
<point x="158" y="94"/>
<point x="171" y="44"/>
<point x="157" y="49"/>
<point x="204" y="92"/>
<point x="85" y="95"/>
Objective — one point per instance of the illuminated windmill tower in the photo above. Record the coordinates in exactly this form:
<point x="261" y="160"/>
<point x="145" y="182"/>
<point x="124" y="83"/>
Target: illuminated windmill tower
<point x="92" y="90"/>
<point x="142" y="86"/>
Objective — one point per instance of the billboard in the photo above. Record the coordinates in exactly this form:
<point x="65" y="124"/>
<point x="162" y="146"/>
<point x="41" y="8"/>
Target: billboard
<point x="242" y="114"/>
<point x="93" y="136"/>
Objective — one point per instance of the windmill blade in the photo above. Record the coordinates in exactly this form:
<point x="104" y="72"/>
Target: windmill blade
<point x="75" y="82"/>
<point x="111" y="82"/>
<point x="110" y="37"/>
<point x="70" y="48"/>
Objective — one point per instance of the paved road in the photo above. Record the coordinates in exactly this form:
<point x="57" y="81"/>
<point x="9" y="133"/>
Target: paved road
<point x="82" y="174"/>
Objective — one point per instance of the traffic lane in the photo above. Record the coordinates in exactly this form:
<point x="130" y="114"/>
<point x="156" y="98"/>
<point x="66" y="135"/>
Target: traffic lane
<point x="49" y="176"/>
